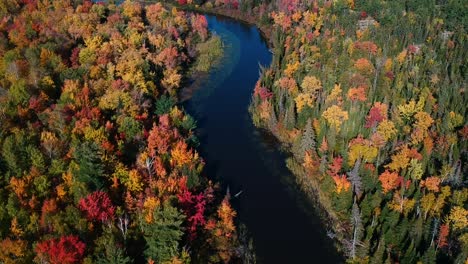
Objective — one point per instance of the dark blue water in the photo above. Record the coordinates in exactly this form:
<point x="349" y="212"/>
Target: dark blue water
<point x="243" y="158"/>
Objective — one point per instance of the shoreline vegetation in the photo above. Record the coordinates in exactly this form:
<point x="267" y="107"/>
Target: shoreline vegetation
<point x="210" y="54"/>
<point x="370" y="100"/>
<point x="236" y="14"/>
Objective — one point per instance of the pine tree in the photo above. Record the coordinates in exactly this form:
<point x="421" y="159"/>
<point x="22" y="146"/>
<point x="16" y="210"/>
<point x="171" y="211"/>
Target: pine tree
<point x="163" y="235"/>
<point x="410" y="254"/>
<point x="90" y="169"/>
<point x="108" y="249"/>
<point x="378" y="255"/>
<point x="430" y="255"/>
<point x="114" y="255"/>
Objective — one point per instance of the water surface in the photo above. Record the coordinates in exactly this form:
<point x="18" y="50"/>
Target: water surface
<point x="247" y="160"/>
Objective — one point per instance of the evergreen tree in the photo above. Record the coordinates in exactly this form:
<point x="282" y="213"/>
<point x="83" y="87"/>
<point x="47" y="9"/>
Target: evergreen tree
<point x="164" y="104"/>
<point x="163" y="235"/>
<point x="429" y="256"/>
<point x="379" y="254"/>
<point x="90" y="169"/>
<point x="108" y="250"/>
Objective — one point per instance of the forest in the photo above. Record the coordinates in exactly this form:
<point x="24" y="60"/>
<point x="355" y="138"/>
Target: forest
<point x="370" y="99"/>
<point x="98" y="161"/>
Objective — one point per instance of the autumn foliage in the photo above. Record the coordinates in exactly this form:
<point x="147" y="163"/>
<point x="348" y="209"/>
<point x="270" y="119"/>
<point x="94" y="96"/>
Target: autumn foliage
<point x="66" y="249"/>
<point x="95" y="149"/>
<point x="389" y="120"/>
<point x="389" y="181"/>
<point x="97" y="206"/>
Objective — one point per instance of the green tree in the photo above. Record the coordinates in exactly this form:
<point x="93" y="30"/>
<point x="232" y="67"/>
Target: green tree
<point x="164" y="104"/>
<point x="130" y="127"/>
<point x="108" y="250"/>
<point x="89" y="169"/>
<point x="18" y="93"/>
<point x="163" y="235"/>
<point x="14" y="152"/>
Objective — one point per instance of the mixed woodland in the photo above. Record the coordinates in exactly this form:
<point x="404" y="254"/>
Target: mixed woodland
<point x="97" y="159"/>
<point x="370" y="98"/>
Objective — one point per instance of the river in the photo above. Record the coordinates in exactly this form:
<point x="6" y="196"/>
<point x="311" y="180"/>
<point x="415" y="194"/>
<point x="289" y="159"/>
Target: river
<point x="247" y="159"/>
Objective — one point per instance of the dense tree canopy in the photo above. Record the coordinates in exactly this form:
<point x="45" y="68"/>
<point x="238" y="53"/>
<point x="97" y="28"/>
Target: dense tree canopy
<point x="382" y="84"/>
<point x="97" y="161"/>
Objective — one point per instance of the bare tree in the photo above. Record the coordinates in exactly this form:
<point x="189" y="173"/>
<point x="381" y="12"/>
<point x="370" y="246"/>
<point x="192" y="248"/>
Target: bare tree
<point x="435" y="230"/>
<point x="123" y="225"/>
<point x="355" y="179"/>
<point x="357" y="230"/>
<point x="308" y="139"/>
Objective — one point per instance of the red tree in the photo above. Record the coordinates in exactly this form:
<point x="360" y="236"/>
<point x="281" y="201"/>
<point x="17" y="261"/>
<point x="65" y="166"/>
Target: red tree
<point x="262" y="92"/>
<point x="159" y="139"/>
<point x="375" y="116"/>
<point x="336" y="166"/>
<point x="200" y="25"/>
<point x="194" y="209"/>
<point x="67" y="249"/>
<point x="443" y="234"/>
<point x="97" y="206"/>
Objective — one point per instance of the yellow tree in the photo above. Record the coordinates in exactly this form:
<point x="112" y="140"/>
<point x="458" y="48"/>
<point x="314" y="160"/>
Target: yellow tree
<point x="11" y="251"/>
<point x="50" y="143"/>
<point x="421" y="126"/>
<point x="400" y="160"/>
<point x="361" y="149"/>
<point x="303" y="100"/>
<point x="223" y="231"/>
<point x="458" y="218"/>
<point x="171" y="79"/>
<point x="310" y="84"/>
<point x="387" y="130"/>
<point x="335" y="116"/>
<point x="402" y="204"/>
<point x="181" y="154"/>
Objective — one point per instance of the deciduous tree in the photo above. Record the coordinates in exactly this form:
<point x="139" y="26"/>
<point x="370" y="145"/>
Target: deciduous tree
<point x="67" y="250"/>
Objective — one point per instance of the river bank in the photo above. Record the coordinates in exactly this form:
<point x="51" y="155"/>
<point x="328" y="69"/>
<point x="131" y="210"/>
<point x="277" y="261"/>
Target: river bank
<point x="236" y="14"/>
<point x="308" y="187"/>
<point x="246" y="159"/>
<point x="318" y="203"/>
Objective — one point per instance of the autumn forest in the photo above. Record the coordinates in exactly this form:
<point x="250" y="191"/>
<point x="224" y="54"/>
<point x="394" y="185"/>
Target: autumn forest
<point x="100" y="163"/>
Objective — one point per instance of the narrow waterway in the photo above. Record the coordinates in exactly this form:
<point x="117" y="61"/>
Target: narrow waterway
<point x="247" y="160"/>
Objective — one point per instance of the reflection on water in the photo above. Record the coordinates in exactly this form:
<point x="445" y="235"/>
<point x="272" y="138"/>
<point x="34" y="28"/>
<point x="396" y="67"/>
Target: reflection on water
<point x="248" y="160"/>
<point x="220" y="72"/>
